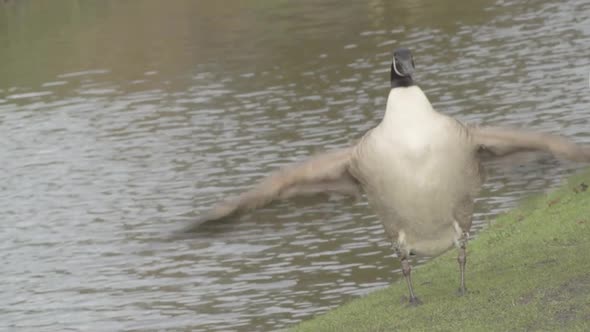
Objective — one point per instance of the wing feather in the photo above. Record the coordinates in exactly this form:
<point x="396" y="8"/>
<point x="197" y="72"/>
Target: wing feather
<point x="325" y="172"/>
<point x="493" y="142"/>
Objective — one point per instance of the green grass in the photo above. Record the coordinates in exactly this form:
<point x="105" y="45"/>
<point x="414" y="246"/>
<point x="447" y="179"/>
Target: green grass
<point x="529" y="270"/>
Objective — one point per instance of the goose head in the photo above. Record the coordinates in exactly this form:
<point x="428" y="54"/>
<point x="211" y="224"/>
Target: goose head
<point x="402" y="68"/>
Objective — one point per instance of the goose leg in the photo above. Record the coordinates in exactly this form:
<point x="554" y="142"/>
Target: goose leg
<point x="462" y="259"/>
<point x="407" y="272"/>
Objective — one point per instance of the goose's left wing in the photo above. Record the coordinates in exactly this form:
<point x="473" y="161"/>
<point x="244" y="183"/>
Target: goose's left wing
<point x="493" y="142"/>
<point x="325" y="172"/>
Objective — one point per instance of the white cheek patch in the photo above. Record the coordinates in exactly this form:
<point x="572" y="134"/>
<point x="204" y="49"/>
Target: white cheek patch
<point x="395" y="68"/>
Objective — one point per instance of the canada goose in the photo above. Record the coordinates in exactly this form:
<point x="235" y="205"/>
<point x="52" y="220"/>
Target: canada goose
<point x="421" y="171"/>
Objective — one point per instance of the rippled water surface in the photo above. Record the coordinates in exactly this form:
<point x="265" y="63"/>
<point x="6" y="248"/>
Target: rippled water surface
<point x="120" y="121"/>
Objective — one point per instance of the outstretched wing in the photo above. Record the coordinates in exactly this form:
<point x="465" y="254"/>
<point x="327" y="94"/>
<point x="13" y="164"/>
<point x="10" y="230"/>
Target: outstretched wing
<point x="325" y="172"/>
<point x="498" y="142"/>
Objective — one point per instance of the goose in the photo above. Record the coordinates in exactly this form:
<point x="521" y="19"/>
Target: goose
<point x="421" y="171"/>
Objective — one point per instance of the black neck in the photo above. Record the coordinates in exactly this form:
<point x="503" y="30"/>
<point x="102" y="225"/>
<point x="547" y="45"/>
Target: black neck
<point x="400" y="81"/>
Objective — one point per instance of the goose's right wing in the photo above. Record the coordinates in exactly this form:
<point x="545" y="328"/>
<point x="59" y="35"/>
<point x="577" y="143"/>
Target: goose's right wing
<point x="325" y="172"/>
<point x="496" y="142"/>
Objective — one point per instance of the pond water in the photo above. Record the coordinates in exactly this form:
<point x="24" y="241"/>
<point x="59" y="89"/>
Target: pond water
<point x="120" y="121"/>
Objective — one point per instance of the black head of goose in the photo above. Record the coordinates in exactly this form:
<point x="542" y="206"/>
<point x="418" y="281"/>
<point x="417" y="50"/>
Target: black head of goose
<point x="402" y="68"/>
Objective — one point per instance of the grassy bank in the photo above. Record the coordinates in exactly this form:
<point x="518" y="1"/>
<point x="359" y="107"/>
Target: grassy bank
<point x="530" y="270"/>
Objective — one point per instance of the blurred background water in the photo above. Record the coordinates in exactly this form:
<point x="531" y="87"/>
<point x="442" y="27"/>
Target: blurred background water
<point x="120" y="121"/>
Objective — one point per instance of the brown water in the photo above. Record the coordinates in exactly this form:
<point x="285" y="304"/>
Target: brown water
<point x="121" y="120"/>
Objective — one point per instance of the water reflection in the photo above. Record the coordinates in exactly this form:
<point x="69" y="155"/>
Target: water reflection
<point x="123" y="120"/>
